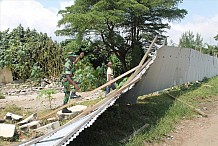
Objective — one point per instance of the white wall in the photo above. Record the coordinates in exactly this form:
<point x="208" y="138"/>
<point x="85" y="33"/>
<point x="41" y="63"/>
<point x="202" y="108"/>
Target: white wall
<point x="173" y="66"/>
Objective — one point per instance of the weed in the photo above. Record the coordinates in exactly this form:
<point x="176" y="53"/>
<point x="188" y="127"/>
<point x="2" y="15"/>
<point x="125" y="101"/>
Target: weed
<point x="47" y="94"/>
<point x="2" y="95"/>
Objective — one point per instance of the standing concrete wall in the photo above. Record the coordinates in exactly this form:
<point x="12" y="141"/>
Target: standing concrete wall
<point x="173" y="66"/>
<point x="6" y="75"/>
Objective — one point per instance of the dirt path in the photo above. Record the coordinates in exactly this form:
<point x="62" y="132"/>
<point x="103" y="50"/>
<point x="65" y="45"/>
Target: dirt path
<point x="198" y="132"/>
<point x="32" y="103"/>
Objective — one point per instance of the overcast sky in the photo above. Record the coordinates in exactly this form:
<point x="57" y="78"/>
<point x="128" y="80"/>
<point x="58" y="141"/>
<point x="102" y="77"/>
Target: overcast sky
<point x="42" y="15"/>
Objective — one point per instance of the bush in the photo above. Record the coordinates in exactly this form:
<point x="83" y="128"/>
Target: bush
<point x="89" y="77"/>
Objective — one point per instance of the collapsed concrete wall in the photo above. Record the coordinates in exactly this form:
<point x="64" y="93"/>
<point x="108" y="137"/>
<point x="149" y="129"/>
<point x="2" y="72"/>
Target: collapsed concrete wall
<point x="5" y="75"/>
<point x="173" y="66"/>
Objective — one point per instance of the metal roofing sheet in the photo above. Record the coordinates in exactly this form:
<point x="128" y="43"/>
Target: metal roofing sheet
<point x="64" y="135"/>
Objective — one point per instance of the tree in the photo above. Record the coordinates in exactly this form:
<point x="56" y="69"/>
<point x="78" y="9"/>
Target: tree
<point x="189" y="40"/>
<point x="216" y="37"/>
<point x="28" y="52"/>
<point x="123" y="26"/>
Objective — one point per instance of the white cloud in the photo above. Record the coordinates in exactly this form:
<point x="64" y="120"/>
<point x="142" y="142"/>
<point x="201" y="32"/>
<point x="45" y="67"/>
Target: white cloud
<point x="30" y="13"/>
<point x="206" y="27"/>
<point x="64" y="4"/>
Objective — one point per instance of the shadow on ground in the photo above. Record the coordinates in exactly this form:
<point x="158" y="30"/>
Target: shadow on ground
<point x="120" y="121"/>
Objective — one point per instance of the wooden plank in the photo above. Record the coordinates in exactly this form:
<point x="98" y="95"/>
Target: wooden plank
<point x="87" y="111"/>
<point x="192" y="107"/>
<point x="142" y="62"/>
<point x="114" y="80"/>
<point x="91" y="92"/>
<point x="148" y="51"/>
<point x="137" y="69"/>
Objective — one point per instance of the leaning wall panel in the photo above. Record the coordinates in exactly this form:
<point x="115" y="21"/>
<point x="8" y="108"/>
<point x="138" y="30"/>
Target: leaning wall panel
<point x="173" y="66"/>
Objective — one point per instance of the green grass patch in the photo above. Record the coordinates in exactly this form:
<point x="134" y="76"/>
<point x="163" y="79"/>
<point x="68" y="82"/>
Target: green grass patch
<point x="161" y="112"/>
<point x="2" y="95"/>
<point x="90" y="102"/>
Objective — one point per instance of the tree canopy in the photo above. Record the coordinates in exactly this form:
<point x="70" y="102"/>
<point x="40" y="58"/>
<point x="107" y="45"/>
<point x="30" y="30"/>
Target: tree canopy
<point x="29" y="53"/>
<point x="189" y="40"/>
<point x="120" y="27"/>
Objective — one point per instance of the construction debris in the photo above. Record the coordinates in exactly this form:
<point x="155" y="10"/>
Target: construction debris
<point x="75" y="110"/>
<point x="48" y="128"/>
<point x="7" y="130"/>
<point x="14" y="117"/>
<point x="29" y="126"/>
<point x="28" y="119"/>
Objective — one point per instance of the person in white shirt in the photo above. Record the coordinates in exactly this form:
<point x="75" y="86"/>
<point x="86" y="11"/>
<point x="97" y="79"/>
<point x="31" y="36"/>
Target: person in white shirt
<point x="110" y="76"/>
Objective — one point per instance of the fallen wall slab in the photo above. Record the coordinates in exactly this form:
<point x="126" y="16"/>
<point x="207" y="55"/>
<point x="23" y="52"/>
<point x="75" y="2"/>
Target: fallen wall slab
<point x="7" y="130"/>
<point x="6" y="75"/>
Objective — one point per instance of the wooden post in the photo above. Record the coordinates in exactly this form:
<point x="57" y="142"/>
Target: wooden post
<point x="88" y="110"/>
<point x="192" y="107"/>
<point x="137" y="69"/>
<point x="142" y="62"/>
<point x="91" y="92"/>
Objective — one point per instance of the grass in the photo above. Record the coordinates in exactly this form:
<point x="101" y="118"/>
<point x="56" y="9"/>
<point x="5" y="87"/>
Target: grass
<point x="161" y="113"/>
<point x="2" y="95"/>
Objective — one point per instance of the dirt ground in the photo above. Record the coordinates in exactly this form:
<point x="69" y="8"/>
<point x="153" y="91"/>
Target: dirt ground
<point x="201" y="131"/>
<point x="32" y="103"/>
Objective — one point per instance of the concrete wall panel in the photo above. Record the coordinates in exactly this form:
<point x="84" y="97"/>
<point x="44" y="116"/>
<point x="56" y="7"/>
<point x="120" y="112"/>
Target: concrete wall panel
<point x="6" y="75"/>
<point x="173" y="66"/>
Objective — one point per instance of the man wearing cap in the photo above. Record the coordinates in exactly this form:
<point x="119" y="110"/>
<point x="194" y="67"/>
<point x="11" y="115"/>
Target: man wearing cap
<point x="110" y="76"/>
<point x="68" y="79"/>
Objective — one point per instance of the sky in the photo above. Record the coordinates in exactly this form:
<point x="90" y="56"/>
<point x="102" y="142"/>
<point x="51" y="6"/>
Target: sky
<point x="42" y="15"/>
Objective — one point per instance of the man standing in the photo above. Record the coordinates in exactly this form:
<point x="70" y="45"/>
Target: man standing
<point x="68" y="78"/>
<point x="110" y="76"/>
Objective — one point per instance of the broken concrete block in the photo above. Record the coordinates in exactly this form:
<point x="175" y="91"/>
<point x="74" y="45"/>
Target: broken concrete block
<point x="52" y="119"/>
<point x="28" y="119"/>
<point x="48" y="128"/>
<point x="29" y="126"/>
<point x="7" y="130"/>
<point x="75" y="110"/>
<point x="2" y="120"/>
<point x="11" y="116"/>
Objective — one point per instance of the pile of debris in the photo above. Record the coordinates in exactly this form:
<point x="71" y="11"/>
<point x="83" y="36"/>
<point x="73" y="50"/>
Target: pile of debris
<point x="29" y="87"/>
<point x="34" y="126"/>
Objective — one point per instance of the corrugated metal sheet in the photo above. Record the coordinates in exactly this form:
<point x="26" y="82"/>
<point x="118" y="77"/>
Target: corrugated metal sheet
<point x="64" y="135"/>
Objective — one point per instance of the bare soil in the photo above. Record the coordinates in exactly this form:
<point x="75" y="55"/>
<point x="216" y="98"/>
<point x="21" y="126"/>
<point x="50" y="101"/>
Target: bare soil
<point x="34" y="103"/>
<point x="200" y="131"/>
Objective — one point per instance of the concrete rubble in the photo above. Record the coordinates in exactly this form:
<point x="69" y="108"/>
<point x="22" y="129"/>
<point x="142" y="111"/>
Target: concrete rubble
<point x="7" y="130"/>
<point x="29" y="126"/>
<point x="28" y="119"/>
<point x="48" y="128"/>
<point x="75" y="110"/>
<point x="14" y="117"/>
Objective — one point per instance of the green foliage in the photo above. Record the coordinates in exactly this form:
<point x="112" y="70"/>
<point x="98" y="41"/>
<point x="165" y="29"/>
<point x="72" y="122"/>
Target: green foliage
<point x="21" y="48"/>
<point x="119" y="27"/>
<point x="47" y="93"/>
<point x="14" y="109"/>
<point x="211" y="50"/>
<point x="36" y="72"/>
<point x="89" y="77"/>
<point x="189" y="40"/>
<point x="122" y="82"/>
<point x="216" y="37"/>
<point x="2" y="95"/>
